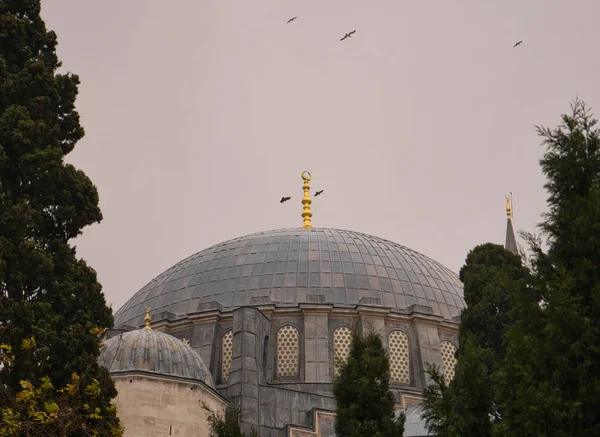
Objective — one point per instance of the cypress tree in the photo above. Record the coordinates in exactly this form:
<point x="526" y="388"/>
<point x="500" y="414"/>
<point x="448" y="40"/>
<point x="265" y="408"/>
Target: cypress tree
<point x="468" y="405"/>
<point x="52" y="309"/>
<point x="552" y="381"/>
<point x="364" y="403"/>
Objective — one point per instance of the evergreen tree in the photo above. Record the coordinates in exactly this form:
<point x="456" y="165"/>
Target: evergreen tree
<point x="492" y="277"/>
<point x="438" y="405"/>
<point x="551" y="385"/>
<point x="364" y="403"/>
<point x="52" y="310"/>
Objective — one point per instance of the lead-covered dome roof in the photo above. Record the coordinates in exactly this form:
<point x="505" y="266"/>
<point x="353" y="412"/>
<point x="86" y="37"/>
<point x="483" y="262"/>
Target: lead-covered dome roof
<point x="287" y="265"/>
<point x="150" y="351"/>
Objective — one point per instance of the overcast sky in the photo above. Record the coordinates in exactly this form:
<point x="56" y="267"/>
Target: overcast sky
<point x="200" y="115"/>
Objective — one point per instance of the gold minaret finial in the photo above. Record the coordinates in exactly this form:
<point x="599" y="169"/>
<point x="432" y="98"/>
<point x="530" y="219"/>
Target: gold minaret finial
<point x="147" y="318"/>
<point x="508" y="207"/>
<point x="306" y="212"/>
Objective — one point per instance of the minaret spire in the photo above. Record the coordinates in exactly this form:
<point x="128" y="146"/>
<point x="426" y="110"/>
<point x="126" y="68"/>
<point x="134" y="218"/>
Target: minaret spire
<point x="147" y="319"/>
<point x="306" y="212"/>
<point x="511" y="242"/>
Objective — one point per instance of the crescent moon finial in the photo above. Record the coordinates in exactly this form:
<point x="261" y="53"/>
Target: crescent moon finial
<point x="508" y="207"/>
<point x="306" y="201"/>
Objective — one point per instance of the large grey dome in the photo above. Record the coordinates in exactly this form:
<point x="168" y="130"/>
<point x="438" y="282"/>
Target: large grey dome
<point x="287" y="265"/>
<point x="147" y="350"/>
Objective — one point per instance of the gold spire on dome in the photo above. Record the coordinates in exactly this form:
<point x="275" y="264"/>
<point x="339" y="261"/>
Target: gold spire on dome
<point x="306" y="212"/>
<point x="508" y="207"/>
<point x="147" y="318"/>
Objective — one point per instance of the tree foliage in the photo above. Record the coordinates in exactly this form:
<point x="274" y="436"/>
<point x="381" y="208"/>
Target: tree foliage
<point x="468" y="405"/>
<point x="439" y="409"/>
<point x="228" y="424"/>
<point x="532" y="368"/>
<point x="551" y="385"/>
<point x="46" y="292"/>
<point x="364" y="403"/>
<point x="44" y="410"/>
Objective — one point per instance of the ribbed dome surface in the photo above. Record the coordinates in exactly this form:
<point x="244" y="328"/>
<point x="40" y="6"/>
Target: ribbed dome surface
<point x="287" y="265"/>
<point x="155" y="352"/>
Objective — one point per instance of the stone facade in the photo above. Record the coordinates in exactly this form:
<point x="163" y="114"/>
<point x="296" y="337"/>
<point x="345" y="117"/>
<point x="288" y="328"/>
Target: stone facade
<point x="155" y="406"/>
<point x="302" y="405"/>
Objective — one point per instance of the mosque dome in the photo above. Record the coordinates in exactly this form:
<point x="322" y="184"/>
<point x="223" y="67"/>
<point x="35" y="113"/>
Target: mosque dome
<point x="150" y="351"/>
<point x="288" y="267"/>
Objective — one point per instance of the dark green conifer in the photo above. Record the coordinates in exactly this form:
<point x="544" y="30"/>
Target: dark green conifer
<point x="46" y="293"/>
<point x="364" y="403"/>
<point x="468" y="405"/>
<point x="551" y="385"/>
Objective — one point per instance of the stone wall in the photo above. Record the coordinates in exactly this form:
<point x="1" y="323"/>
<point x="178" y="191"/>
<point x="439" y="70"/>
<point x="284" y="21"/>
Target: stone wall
<point x="152" y="406"/>
<point x="323" y="425"/>
<point x="280" y="407"/>
<point x="273" y="404"/>
<point x="250" y="328"/>
<point x="316" y="346"/>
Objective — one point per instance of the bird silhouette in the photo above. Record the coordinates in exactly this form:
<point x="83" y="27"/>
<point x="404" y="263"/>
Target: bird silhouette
<point x="318" y="193"/>
<point x="348" y="35"/>
<point x="291" y="19"/>
<point x="518" y="44"/>
<point x="284" y="199"/>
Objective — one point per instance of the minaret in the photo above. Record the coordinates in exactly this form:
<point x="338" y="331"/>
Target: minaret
<point x="511" y="241"/>
<point x="306" y="212"/>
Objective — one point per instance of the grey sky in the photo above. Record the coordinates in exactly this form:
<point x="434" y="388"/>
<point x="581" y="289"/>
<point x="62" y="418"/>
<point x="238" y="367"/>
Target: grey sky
<point x="200" y="115"/>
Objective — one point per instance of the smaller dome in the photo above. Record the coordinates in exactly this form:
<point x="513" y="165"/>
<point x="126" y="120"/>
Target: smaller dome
<point x="146" y="350"/>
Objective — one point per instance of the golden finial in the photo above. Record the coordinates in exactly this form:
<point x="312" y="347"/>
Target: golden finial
<point x="508" y="207"/>
<point x="306" y="212"/>
<point x="147" y="318"/>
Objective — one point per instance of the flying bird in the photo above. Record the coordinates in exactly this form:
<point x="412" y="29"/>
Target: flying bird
<point x="318" y="193"/>
<point x="291" y="19"/>
<point x="348" y="35"/>
<point x="517" y="44"/>
<point x="284" y="199"/>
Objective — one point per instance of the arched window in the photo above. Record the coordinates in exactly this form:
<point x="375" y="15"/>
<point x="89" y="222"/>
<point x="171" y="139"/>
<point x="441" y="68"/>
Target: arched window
<point x="287" y="352"/>
<point x="399" y="357"/>
<point x="226" y="355"/>
<point x="448" y="359"/>
<point x="342" y="337"/>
